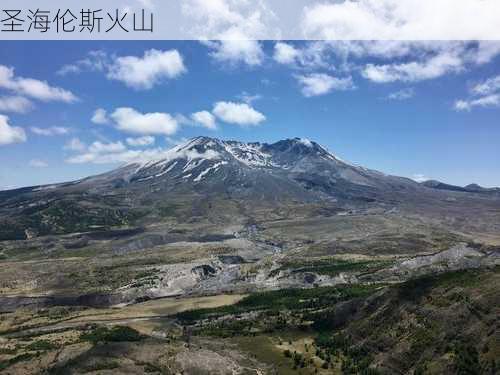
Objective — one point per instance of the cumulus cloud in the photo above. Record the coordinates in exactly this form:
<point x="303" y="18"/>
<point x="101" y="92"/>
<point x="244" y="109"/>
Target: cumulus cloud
<point x="205" y="119"/>
<point x="285" y="53"/>
<point x="236" y="51"/>
<point x="138" y="72"/>
<point x="320" y="84"/>
<point x="403" y="94"/>
<point x="16" y="104"/>
<point x="238" y="113"/>
<point x="37" y="163"/>
<point x="131" y="121"/>
<point x="233" y="28"/>
<point x="10" y="134"/>
<point x="402" y="20"/>
<point x="100" y="117"/>
<point x="50" y="131"/>
<point x="75" y="144"/>
<point x="33" y="88"/>
<point x="143" y="73"/>
<point x="146" y="140"/>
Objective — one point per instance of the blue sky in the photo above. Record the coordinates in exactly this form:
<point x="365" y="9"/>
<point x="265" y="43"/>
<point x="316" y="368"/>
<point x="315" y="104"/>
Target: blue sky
<point x="422" y="110"/>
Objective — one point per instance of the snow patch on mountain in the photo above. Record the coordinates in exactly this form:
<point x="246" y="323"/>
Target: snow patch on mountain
<point x="180" y="152"/>
<point x="214" y="168"/>
<point x="250" y="154"/>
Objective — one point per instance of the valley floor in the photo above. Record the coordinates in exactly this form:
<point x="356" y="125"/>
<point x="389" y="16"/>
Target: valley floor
<point x="433" y="324"/>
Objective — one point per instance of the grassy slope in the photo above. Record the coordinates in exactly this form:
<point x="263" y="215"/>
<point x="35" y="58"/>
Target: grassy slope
<point x="438" y="324"/>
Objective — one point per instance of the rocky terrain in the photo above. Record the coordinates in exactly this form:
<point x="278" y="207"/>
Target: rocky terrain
<point x="220" y="218"/>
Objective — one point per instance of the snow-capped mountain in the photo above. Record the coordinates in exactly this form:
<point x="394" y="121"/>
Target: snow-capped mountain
<point x="202" y="159"/>
<point x="204" y="174"/>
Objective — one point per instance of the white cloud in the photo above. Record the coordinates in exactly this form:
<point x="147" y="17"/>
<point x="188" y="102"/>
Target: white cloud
<point x="488" y="101"/>
<point x="402" y="20"/>
<point x="75" y="144"/>
<point x="486" y="51"/>
<point x="484" y="94"/>
<point x="234" y="51"/>
<point x="16" y="104"/>
<point x="248" y="98"/>
<point x="487" y="87"/>
<point x="320" y="84"/>
<point x="146" y="72"/>
<point x="95" y="61"/>
<point x="388" y="61"/>
<point x="238" y="113"/>
<point x="310" y="55"/>
<point x="50" y="131"/>
<point x="100" y="117"/>
<point x="146" y="140"/>
<point x="285" y="53"/>
<point x="98" y="147"/>
<point x="10" y="134"/>
<point x="233" y="28"/>
<point x="217" y="19"/>
<point x="414" y="71"/>
<point x="132" y="121"/>
<point x="403" y="94"/>
<point x="33" y="88"/>
<point x="37" y="163"/>
<point x="205" y="119"/>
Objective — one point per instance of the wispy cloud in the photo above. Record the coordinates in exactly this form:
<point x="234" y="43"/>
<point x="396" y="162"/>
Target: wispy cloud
<point x="75" y="144"/>
<point x="17" y="104"/>
<point x="146" y="140"/>
<point x="33" y="88"/>
<point x="37" y="163"/>
<point x="414" y="71"/>
<point x="50" y="131"/>
<point x="488" y="101"/>
<point x="403" y="94"/>
<point x="238" y="113"/>
<point x="96" y="61"/>
<point x="485" y="94"/>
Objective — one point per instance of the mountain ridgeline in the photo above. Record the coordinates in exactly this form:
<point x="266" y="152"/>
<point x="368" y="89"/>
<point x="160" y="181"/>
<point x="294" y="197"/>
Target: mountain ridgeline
<point x="222" y="182"/>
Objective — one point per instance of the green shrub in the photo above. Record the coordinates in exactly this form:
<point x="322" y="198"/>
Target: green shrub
<point x="41" y="345"/>
<point x="114" y="334"/>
